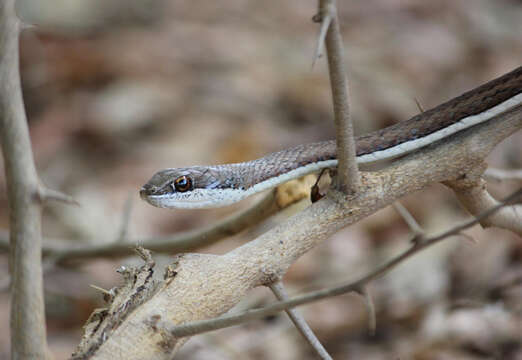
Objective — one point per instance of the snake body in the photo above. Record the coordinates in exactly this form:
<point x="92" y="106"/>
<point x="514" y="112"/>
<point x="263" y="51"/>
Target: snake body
<point x="221" y="185"/>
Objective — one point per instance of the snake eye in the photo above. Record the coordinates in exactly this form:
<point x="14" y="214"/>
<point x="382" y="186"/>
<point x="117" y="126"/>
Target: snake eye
<point x="182" y="184"/>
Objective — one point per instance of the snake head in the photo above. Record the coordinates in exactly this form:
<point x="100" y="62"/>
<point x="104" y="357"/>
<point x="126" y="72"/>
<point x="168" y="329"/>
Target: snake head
<point x="188" y="188"/>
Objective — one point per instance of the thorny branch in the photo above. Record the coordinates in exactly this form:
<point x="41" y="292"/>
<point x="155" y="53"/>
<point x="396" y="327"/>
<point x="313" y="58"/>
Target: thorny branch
<point x="349" y="180"/>
<point x="198" y="327"/>
<point x="27" y="316"/>
<point x="241" y="260"/>
<point x="227" y="278"/>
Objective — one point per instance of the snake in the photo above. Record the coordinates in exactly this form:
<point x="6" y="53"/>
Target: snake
<point x="213" y="186"/>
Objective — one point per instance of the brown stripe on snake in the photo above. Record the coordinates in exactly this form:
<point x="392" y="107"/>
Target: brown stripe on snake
<point x="470" y="103"/>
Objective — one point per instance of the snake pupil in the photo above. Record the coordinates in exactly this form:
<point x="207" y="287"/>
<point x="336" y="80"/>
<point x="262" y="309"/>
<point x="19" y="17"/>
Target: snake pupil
<point x="183" y="183"/>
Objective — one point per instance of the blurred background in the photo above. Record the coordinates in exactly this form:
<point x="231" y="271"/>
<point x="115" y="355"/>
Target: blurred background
<point x="116" y="90"/>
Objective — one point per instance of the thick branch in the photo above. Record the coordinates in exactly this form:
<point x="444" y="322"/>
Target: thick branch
<point x="205" y="286"/>
<point x="28" y="336"/>
<point x="202" y="326"/>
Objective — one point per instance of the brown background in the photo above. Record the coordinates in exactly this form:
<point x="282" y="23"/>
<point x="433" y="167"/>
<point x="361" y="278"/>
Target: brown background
<point x="115" y="92"/>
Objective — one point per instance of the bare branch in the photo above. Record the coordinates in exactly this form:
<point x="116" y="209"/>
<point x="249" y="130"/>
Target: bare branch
<point x="476" y="198"/>
<point x="300" y="323"/>
<point x="347" y="171"/>
<point x="28" y="334"/>
<point x="201" y="326"/>
<point x="185" y="241"/>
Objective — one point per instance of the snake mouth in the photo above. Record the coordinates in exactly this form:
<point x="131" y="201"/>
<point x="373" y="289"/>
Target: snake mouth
<point x="146" y="191"/>
<point x="155" y="200"/>
<point x="165" y="201"/>
<point x="195" y="199"/>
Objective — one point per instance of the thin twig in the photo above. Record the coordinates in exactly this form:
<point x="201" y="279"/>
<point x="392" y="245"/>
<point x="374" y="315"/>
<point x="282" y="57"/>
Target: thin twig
<point x="325" y="20"/>
<point x="300" y="323"/>
<point x="419" y="106"/>
<point x="202" y="326"/>
<point x="27" y="315"/>
<point x="184" y="241"/>
<point x="500" y="175"/>
<point x="347" y="171"/>
<point x="408" y="218"/>
<point x="124" y="227"/>
<point x="100" y="289"/>
<point x="370" y="307"/>
<point x="45" y="194"/>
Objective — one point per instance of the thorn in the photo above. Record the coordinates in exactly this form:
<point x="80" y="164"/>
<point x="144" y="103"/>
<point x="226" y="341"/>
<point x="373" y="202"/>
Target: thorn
<point x="419" y="106"/>
<point x="417" y="239"/>
<point x="127" y="209"/>
<point x="315" y="194"/>
<point x="359" y="290"/>
<point x="499" y="175"/>
<point x="362" y="291"/>
<point x="372" y="317"/>
<point x="106" y="292"/>
<point x="44" y="194"/>
<point x="325" y="20"/>
<point x="26" y="26"/>
<point x="409" y="220"/>
<point x="145" y="255"/>
<point x="317" y="18"/>
<point x="468" y="237"/>
<point x="108" y="295"/>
